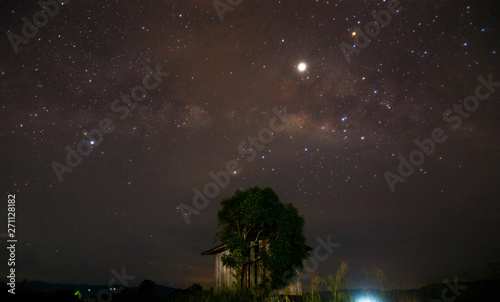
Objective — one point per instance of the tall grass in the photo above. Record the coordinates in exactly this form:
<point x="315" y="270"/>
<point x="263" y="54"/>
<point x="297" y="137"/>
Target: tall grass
<point x="336" y="286"/>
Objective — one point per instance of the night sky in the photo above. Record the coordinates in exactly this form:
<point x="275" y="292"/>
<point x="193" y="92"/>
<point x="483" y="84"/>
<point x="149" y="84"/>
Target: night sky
<point x="213" y="84"/>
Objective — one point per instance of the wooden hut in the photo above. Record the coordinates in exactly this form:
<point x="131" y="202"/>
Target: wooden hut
<point x="225" y="277"/>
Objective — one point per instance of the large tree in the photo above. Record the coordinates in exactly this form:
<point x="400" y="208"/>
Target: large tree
<point x="257" y="214"/>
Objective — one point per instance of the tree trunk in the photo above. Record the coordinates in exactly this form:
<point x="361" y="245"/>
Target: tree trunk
<point x="242" y="278"/>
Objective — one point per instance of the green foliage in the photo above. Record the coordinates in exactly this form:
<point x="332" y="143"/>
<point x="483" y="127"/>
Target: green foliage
<point x="287" y="246"/>
<point x="78" y="294"/>
<point x="257" y="214"/>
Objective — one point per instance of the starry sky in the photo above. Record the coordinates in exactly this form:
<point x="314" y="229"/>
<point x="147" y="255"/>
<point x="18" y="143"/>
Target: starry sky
<point x="214" y="80"/>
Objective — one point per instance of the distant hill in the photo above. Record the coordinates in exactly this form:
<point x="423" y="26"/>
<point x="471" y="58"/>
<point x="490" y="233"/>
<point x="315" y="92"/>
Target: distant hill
<point x="85" y="290"/>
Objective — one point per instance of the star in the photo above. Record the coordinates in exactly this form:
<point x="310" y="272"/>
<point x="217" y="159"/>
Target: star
<point x="302" y="67"/>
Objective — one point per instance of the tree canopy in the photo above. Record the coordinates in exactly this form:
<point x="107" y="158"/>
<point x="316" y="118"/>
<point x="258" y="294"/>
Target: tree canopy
<point x="257" y="214"/>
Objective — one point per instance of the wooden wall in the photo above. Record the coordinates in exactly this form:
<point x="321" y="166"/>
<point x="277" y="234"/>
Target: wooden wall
<point x="225" y="278"/>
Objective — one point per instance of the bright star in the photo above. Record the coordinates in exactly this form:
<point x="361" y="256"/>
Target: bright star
<point x="302" y="67"/>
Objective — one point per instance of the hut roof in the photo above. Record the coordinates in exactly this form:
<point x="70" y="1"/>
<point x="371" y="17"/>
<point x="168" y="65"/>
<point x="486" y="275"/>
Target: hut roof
<point x="215" y="250"/>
